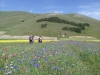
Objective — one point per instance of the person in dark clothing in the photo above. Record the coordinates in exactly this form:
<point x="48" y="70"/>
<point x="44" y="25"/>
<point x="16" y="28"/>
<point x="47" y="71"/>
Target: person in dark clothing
<point x="40" y="39"/>
<point x="31" y="39"/>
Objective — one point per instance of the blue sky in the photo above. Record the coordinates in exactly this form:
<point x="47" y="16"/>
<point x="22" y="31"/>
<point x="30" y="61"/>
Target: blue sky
<point x="89" y="8"/>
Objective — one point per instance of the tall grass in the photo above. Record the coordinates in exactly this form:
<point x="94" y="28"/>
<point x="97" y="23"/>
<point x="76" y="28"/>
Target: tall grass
<point x="52" y="58"/>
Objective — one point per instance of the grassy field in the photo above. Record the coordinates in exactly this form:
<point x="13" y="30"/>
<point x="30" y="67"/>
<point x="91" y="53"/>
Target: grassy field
<point x="69" y="55"/>
<point x="64" y="57"/>
<point x="12" y="23"/>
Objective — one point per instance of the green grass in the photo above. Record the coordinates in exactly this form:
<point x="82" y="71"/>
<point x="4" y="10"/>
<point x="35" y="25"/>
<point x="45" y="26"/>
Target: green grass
<point x="9" y="19"/>
<point x="11" y="23"/>
<point x="79" y="39"/>
<point x="53" y="58"/>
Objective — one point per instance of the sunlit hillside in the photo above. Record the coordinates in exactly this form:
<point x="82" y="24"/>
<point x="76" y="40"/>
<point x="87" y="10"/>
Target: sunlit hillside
<point x="24" y="23"/>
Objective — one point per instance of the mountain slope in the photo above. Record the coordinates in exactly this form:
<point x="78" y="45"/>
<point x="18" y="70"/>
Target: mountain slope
<point x="9" y="19"/>
<point x="23" y="23"/>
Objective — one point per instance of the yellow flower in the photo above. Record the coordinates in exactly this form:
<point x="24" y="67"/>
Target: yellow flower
<point x="15" y="41"/>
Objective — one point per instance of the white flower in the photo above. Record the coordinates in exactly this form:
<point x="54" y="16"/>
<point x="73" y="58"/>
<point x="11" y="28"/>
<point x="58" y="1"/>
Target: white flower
<point x="11" y="67"/>
<point x="3" y="54"/>
<point x="12" y="62"/>
<point x="6" y="66"/>
<point x="39" y="61"/>
<point x="9" y="72"/>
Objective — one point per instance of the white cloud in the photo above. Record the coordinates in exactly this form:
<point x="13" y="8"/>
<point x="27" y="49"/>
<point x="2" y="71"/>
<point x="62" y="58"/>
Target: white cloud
<point x="57" y="11"/>
<point x="51" y="11"/>
<point x="95" y="14"/>
<point x="84" y="7"/>
<point x="91" y="10"/>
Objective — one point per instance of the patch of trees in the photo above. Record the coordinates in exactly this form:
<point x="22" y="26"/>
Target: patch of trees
<point x="57" y="20"/>
<point x="72" y="29"/>
<point x="53" y="19"/>
<point x="78" y="26"/>
<point x="44" y="25"/>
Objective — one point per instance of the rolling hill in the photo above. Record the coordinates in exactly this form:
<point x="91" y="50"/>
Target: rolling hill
<point x="24" y="23"/>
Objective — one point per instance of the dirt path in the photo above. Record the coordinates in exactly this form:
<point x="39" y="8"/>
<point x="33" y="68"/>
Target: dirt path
<point x="3" y="36"/>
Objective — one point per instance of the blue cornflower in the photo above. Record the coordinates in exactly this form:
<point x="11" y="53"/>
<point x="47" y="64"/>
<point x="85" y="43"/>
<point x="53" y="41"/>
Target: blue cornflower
<point x="35" y="60"/>
<point x="37" y="65"/>
<point x="55" y="68"/>
<point x="32" y="64"/>
<point x="46" y="59"/>
<point x="19" y="61"/>
<point x="2" y="69"/>
<point x="16" y="67"/>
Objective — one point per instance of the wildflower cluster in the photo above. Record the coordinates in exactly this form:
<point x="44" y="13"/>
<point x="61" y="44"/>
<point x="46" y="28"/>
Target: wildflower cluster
<point x="53" y="58"/>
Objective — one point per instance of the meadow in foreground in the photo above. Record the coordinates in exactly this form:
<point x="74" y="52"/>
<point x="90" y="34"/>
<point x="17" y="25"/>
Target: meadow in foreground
<point x="52" y="58"/>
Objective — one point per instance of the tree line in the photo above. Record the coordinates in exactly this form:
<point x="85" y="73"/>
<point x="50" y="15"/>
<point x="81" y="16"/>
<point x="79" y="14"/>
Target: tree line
<point x="78" y="28"/>
<point x="72" y="29"/>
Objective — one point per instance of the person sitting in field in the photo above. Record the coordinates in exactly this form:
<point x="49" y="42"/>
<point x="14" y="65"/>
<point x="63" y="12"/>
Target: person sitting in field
<point x="40" y="39"/>
<point x="31" y="39"/>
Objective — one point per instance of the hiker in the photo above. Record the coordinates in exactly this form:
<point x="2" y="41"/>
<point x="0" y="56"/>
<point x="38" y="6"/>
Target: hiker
<point x="40" y="39"/>
<point x="31" y="39"/>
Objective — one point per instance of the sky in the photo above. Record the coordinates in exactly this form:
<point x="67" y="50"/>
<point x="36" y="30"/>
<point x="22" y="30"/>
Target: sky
<point x="90" y="8"/>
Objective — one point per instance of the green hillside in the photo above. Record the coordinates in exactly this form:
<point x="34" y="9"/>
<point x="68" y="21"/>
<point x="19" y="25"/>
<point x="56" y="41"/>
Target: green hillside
<point x="24" y="23"/>
<point x="9" y="19"/>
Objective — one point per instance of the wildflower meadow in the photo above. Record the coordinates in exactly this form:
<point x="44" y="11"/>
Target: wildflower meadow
<point x="50" y="58"/>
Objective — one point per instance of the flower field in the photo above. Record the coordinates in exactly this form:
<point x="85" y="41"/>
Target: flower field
<point x="50" y="58"/>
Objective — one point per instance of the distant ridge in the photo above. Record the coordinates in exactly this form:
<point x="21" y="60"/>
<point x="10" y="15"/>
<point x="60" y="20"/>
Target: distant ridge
<point x="24" y="23"/>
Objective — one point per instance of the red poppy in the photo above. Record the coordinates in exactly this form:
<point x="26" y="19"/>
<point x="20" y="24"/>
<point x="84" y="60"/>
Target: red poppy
<point x="52" y="62"/>
<point x="36" y="56"/>
<point x="22" y="69"/>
